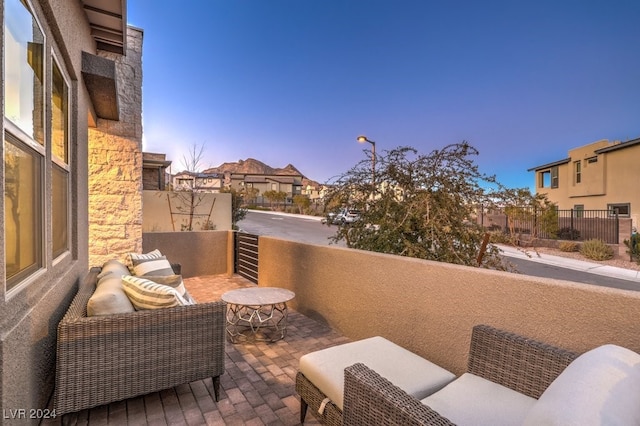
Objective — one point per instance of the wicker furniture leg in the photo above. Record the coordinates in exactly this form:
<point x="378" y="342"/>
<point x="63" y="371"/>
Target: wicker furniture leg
<point x="216" y="387"/>
<point x="303" y="410"/>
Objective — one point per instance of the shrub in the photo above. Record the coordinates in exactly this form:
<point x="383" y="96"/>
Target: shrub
<point x="633" y="246"/>
<point x="596" y="250"/>
<point x="567" y="233"/>
<point x="568" y="246"/>
<point x="499" y="237"/>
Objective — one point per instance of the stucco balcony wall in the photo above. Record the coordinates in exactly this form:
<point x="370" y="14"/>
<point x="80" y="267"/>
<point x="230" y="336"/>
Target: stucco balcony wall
<point x="430" y="307"/>
<point x="198" y="252"/>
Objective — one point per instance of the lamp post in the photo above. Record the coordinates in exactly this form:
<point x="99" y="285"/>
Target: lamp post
<point x="363" y="139"/>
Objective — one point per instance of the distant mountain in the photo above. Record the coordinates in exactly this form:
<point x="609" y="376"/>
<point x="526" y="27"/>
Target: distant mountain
<point x="253" y="166"/>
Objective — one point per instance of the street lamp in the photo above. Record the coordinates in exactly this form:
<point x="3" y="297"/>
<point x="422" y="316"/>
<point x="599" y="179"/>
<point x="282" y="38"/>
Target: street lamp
<point x="363" y="139"/>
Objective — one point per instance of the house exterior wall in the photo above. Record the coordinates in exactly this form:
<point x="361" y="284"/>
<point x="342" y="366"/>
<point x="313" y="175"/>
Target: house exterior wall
<point x="606" y="178"/>
<point x="211" y="211"/>
<point x="29" y="313"/>
<point x="115" y="161"/>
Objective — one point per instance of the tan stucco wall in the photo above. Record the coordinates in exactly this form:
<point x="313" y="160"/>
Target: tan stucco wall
<point x="115" y="164"/>
<point x="29" y="315"/>
<point x="158" y="205"/>
<point x="199" y="252"/>
<point x="430" y="307"/>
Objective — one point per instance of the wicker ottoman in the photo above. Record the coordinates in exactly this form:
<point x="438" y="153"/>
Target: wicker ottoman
<point x="320" y="379"/>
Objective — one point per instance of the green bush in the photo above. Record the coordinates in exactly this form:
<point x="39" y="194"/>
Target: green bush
<point x="633" y="246"/>
<point x="596" y="250"/>
<point x="568" y="246"/>
<point x="568" y="234"/>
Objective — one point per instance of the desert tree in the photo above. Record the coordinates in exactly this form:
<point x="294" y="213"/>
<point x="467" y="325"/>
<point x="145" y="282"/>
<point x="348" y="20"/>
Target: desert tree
<point x="189" y="199"/>
<point x="302" y="201"/>
<point x="421" y="205"/>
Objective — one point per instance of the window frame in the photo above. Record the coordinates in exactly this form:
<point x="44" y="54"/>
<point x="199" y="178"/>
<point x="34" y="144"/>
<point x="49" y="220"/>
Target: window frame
<point x="62" y="163"/>
<point x="577" y="172"/>
<point x="611" y="207"/>
<point x="14" y="283"/>
<point x="551" y="174"/>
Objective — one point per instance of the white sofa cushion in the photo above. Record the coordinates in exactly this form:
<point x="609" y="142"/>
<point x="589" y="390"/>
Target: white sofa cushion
<point x="472" y="400"/>
<point x="410" y="372"/>
<point x="600" y="387"/>
<point x="112" y="267"/>
<point x="109" y="298"/>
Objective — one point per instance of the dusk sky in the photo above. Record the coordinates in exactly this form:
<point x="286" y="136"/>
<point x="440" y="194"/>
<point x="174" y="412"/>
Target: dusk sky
<point x="296" y="81"/>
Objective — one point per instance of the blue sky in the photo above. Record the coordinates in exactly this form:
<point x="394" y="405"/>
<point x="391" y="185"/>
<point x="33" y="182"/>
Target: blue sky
<point x="296" y="81"/>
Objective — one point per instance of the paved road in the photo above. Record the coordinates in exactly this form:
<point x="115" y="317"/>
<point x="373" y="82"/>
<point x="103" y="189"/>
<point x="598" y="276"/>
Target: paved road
<point x="311" y="231"/>
<point x="290" y="227"/>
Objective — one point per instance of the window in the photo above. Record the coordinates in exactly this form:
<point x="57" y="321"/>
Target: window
<point x="548" y="178"/>
<point x="274" y="187"/>
<point x="621" y="210"/>
<point x="22" y="210"/>
<point x="579" y="210"/>
<point x="24" y="70"/>
<point x="60" y="155"/>
<point x="24" y="142"/>
<point x="577" y="167"/>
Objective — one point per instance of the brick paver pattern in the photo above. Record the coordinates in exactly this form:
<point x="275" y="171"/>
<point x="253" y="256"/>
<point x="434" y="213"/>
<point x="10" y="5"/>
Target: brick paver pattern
<point x="257" y="388"/>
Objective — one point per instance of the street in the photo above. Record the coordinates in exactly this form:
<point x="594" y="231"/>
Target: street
<point x="309" y="230"/>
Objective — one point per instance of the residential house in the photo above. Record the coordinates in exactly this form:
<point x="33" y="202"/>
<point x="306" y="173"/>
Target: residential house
<point x="289" y="184"/>
<point x="599" y="176"/>
<point x="66" y="68"/>
<point x="199" y="182"/>
<point x="154" y="171"/>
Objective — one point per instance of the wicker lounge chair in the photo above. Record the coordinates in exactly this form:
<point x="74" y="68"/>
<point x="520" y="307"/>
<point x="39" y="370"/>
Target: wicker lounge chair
<point x="102" y="359"/>
<point x="519" y="363"/>
<point x="516" y="362"/>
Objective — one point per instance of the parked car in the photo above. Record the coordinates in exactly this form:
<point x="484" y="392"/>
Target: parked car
<point x="343" y="217"/>
<point x="347" y="216"/>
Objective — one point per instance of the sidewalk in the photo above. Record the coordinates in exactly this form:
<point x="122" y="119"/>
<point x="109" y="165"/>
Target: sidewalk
<point x="577" y="265"/>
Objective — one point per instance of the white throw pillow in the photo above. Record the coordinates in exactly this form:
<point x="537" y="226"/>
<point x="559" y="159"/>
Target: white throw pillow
<point x="600" y="387"/>
<point x="146" y="294"/>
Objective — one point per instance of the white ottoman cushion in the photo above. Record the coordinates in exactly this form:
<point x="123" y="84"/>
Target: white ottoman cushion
<point x="600" y="387"/>
<point x="410" y="372"/>
<point x="472" y="400"/>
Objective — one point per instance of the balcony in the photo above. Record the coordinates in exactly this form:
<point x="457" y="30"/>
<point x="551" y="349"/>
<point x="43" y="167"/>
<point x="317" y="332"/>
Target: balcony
<point x="341" y="295"/>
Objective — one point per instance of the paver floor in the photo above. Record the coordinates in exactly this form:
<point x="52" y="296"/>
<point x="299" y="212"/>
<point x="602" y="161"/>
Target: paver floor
<point x="258" y="387"/>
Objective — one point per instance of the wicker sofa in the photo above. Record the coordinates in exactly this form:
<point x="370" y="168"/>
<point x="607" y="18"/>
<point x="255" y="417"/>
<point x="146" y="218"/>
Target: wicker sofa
<point x="102" y="359"/>
<point x="558" y="387"/>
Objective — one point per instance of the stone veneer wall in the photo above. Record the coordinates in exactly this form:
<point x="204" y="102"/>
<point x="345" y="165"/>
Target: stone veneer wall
<point x="115" y="164"/>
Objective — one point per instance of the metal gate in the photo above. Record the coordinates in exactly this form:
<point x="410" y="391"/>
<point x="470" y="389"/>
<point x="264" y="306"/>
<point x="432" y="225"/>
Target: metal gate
<point x="246" y="256"/>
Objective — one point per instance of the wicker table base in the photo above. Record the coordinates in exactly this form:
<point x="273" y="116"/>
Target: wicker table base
<point x="257" y="314"/>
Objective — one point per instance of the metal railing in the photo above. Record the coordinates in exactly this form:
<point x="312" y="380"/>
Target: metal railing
<point x="572" y="224"/>
<point x="246" y="256"/>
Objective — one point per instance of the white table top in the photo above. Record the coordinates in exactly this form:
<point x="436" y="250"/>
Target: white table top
<point x="253" y="296"/>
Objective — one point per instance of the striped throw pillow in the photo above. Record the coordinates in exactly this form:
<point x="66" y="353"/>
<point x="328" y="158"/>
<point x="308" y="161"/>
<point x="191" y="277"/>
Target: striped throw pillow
<point x="173" y="281"/>
<point x="146" y="267"/>
<point x="130" y="257"/>
<point x="146" y="294"/>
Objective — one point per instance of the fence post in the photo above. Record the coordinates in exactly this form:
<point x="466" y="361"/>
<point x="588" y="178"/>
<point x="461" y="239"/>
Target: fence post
<point x="571" y="233"/>
<point x="617" y="234"/>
